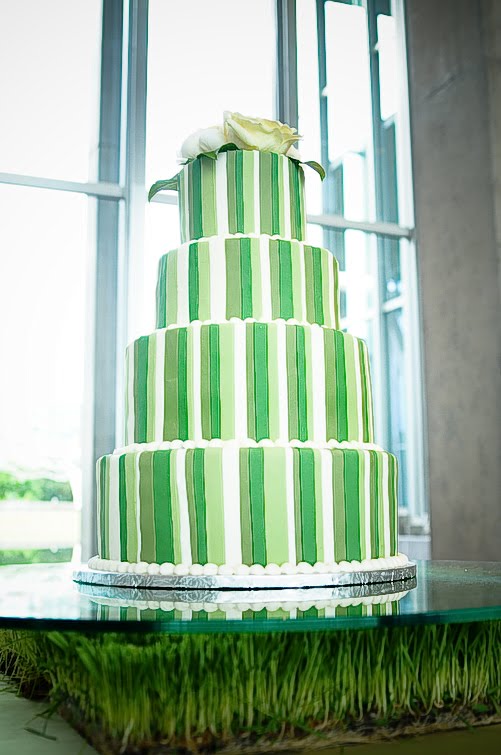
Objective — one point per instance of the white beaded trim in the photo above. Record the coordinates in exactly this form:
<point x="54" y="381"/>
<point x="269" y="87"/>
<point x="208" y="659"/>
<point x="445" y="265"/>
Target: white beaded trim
<point x="182" y="570"/>
<point x="167" y="605"/>
<point x="247" y="442"/>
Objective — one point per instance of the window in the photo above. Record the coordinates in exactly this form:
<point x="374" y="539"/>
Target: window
<point x="94" y="118"/>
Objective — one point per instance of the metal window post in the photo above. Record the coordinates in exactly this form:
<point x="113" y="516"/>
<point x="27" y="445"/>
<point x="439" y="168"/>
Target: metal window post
<point x="99" y="426"/>
<point x="287" y="106"/>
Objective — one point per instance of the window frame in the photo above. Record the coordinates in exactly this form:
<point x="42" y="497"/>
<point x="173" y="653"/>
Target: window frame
<point x="120" y="215"/>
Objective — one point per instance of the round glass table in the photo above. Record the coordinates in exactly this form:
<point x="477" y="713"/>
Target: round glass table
<point x="46" y="597"/>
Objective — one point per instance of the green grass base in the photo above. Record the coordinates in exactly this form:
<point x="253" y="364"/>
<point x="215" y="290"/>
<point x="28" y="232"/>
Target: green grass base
<point x="132" y="693"/>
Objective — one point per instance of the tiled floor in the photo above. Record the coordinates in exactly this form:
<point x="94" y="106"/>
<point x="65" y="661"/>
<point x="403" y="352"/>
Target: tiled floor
<point x="16" y="714"/>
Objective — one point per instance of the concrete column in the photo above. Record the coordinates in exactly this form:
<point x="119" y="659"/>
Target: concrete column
<point x="458" y="272"/>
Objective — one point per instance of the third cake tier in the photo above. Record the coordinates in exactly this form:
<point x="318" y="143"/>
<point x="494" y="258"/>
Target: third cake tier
<point x="238" y="380"/>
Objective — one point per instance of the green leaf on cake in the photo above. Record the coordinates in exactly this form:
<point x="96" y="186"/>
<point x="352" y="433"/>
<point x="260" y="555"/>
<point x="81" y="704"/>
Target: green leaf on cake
<point x="170" y="184"/>
<point x="230" y="147"/>
<point x="316" y="166"/>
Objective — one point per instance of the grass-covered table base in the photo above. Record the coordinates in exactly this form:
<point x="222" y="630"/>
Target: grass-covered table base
<point x="255" y="692"/>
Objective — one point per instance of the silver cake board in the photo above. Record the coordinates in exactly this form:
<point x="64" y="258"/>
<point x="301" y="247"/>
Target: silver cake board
<point x="263" y="596"/>
<point x="218" y="582"/>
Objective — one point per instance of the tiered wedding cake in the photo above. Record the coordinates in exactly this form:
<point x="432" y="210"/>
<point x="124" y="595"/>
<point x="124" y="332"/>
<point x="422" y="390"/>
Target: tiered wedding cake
<point x="249" y="424"/>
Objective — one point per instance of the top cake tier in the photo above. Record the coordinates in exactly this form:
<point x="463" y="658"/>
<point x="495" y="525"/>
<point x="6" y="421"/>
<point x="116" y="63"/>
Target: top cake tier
<point x="242" y="191"/>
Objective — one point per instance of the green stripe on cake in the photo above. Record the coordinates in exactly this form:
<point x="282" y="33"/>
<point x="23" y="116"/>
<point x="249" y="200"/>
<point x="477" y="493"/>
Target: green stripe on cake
<point x="122" y="506"/>
<point x="308" y="512"/>
<point x="182" y="384"/>
<point x="250" y="380"/>
<point x="227" y="381"/>
<point x="318" y="312"/>
<point x="273" y="382"/>
<point x="351" y="385"/>
<point x="285" y="280"/>
<point x="275" y="195"/>
<point x="103" y="514"/>
<point x="140" y="387"/>
<point x="150" y="413"/>
<point x="341" y="402"/>
<point x="309" y="284"/>
<point x="290" y="345"/>
<point x="171" y="361"/>
<point x="200" y="503"/>
<point x="302" y="420"/>
<point x="297" y="252"/>
<point x="352" y="512"/>
<point x="172" y="284"/>
<point x="374" y="504"/>
<point x="231" y="191"/>
<point x="239" y="192"/>
<point x="190" y="397"/>
<point x="383" y="545"/>
<point x="392" y="501"/>
<point x="296" y="465"/>
<point x="245" y="508"/>
<point x="146" y="507"/>
<point x="319" y="515"/>
<point x="132" y="503"/>
<point x="192" y="513"/>
<point x="204" y="298"/>
<point x="248" y="191"/>
<point x="277" y="543"/>
<point x="208" y="190"/>
<point x="260" y="355"/>
<point x="213" y="469"/>
<point x="164" y="531"/>
<point x="215" y="404"/>
<point x="256" y="487"/>
<point x="233" y="287"/>
<point x="297" y="230"/>
<point x="274" y="279"/>
<point x="309" y="367"/>
<point x="330" y="378"/>
<point x="205" y="381"/>
<point x="365" y="388"/>
<point x="176" y="514"/>
<point x="338" y="480"/>
<point x="193" y="294"/>
<point x="257" y="301"/>
<point x="245" y="278"/>
<point x="160" y="298"/>
<point x="326" y="261"/>
<point x="196" y="198"/>
<point x="361" y="503"/>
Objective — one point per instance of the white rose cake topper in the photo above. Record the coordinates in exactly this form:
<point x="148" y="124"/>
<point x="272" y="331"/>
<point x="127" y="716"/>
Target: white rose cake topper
<point x="238" y="132"/>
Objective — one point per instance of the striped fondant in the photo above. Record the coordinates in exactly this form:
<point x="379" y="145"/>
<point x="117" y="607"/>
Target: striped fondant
<point x="189" y="512"/>
<point x="242" y="191"/>
<point x="256" y="380"/>
<point x="220" y="278"/>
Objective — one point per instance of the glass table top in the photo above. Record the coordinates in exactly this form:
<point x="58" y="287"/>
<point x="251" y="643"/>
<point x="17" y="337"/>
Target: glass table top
<point x="45" y="597"/>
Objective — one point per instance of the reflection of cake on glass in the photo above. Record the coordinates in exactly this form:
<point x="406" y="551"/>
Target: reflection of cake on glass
<point x="249" y="423"/>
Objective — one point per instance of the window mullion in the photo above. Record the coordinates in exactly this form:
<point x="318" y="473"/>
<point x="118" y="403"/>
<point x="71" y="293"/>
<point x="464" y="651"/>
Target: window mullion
<point x="99" y="434"/>
<point x="287" y="97"/>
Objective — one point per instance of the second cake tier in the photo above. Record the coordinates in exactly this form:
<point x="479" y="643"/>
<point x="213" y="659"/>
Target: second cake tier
<point x="241" y="379"/>
<point x="247" y="276"/>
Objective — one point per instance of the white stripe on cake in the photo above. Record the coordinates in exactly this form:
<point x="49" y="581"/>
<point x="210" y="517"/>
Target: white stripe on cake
<point x="289" y="496"/>
<point x="240" y="359"/>
<point x="283" y="404"/>
<point x="217" y="266"/>
<point x="264" y="254"/>
<point x="318" y="383"/>
<point x="231" y="504"/>
<point x="327" y="505"/>
<point x="184" y="518"/>
<point x="159" y="383"/>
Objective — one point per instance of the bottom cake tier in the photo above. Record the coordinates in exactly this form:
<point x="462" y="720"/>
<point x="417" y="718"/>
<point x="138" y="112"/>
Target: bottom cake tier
<point x="234" y="508"/>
